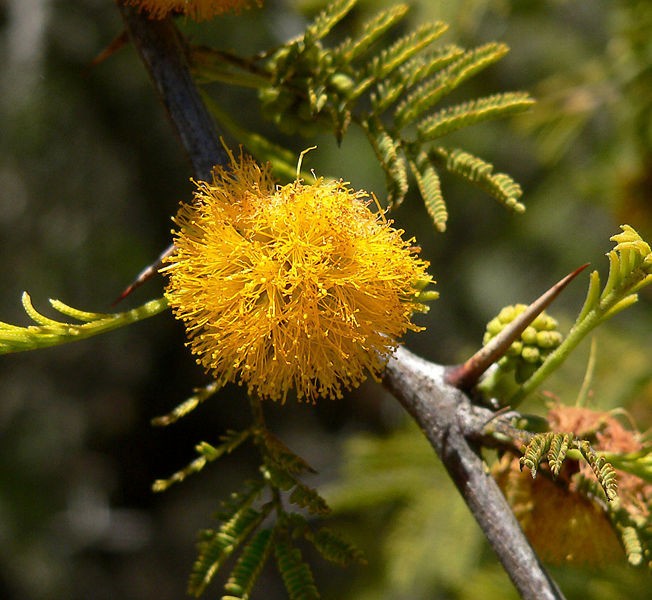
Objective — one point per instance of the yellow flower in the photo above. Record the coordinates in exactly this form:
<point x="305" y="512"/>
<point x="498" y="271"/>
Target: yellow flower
<point x="295" y="287"/>
<point x="199" y="10"/>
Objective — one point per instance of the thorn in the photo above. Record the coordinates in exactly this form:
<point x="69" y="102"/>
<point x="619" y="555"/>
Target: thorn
<point x="466" y="375"/>
<point x="116" y="44"/>
<point x="146" y="274"/>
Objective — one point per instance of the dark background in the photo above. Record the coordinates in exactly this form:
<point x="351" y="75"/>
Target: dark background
<point x="90" y="173"/>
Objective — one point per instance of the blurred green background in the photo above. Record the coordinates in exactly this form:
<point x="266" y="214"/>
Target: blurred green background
<point x="90" y="173"/>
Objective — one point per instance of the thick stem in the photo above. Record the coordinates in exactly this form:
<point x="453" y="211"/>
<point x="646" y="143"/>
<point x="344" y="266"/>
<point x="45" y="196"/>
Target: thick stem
<point x="163" y="52"/>
<point x="449" y="421"/>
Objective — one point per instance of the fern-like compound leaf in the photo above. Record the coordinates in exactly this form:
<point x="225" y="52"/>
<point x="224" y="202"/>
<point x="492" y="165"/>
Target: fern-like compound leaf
<point x="353" y="48"/>
<point x="481" y="173"/>
<point x="50" y="332"/>
<point x="250" y="563"/>
<point x="295" y="572"/>
<point x="423" y="66"/>
<point x="200" y="395"/>
<point x="281" y="456"/>
<point x="430" y="189"/>
<point x="414" y="71"/>
<point x="536" y="451"/>
<point x="392" y="161"/>
<point x="559" y="446"/>
<point x="207" y="453"/>
<point x="470" y="113"/>
<point x="334" y="548"/>
<point x="632" y="544"/>
<point x="431" y="92"/>
<point x="215" y="546"/>
<point x="603" y="471"/>
<point x="398" y="53"/>
<point x="332" y="14"/>
<point x="308" y="498"/>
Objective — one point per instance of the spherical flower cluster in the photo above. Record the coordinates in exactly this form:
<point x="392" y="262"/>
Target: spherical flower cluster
<point x="199" y="10"/>
<point x="294" y="287"/>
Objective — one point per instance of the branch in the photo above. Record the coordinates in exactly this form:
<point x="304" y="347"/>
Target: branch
<point x="449" y="420"/>
<point x="444" y="413"/>
<point x="163" y="52"/>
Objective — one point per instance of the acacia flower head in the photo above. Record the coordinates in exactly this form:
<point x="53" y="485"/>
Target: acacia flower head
<point x="291" y="287"/>
<point x="199" y="10"/>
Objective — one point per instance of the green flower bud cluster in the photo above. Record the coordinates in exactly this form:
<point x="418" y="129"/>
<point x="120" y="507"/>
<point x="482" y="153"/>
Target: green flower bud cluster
<point x="306" y="86"/>
<point x="526" y="354"/>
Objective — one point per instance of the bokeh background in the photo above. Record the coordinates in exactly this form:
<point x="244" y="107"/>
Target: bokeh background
<point x="90" y="173"/>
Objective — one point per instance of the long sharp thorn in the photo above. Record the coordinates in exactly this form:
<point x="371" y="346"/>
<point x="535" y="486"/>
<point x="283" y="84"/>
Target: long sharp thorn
<point x="116" y="44"/>
<point x="466" y="375"/>
<point x="146" y="274"/>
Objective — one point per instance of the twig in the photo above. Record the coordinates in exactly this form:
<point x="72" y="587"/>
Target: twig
<point x="449" y="420"/>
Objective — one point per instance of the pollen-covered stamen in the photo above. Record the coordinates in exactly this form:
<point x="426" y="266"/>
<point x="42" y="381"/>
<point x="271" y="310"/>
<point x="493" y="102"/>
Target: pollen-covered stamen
<point x="293" y="287"/>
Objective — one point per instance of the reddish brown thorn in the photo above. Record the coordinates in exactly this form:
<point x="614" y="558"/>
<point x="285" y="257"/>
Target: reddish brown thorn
<point x="118" y="42"/>
<point x="466" y="375"/>
<point x="146" y="274"/>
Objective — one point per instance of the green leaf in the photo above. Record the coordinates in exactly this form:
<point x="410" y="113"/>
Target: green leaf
<point x="397" y="54"/>
<point x="431" y="92"/>
<point x="603" y="471"/>
<point x="297" y="575"/>
<point x="334" y="548"/>
<point x="249" y="565"/>
<point x="207" y="453"/>
<point x="332" y="14"/>
<point x="481" y="173"/>
<point x="559" y="446"/>
<point x="388" y="152"/>
<point x="187" y="406"/>
<point x="215" y="546"/>
<point x="371" y="31"/>
<point x="535" y="451"/>
<point x="430" y="188"/>
<point x="49" y="332"/>
<point x="472" y="112"/>
<point x="308" y="498"/>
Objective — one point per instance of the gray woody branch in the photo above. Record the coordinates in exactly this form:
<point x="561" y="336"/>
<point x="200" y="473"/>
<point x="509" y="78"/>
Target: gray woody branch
<point x="445" y="414"/>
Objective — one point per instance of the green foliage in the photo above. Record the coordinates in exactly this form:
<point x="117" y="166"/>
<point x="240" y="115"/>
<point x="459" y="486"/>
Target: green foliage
<point x="245" y="516"/>
<point x="296" y="573"/>
<point x="207" y="453"/>
<point x="553" y="448"/>
<point x="49" y="332"/>
<point x="249" y="565"/>
<point x="430" y="189"/>
<point x="200" y="396"/>
<point x="215" y="546"/>
<point x="635" y="532"/>
<point x="602" y="470"/>
<point x="630" y="269"/>
<point x="479" y="172"/>
<point x="334" y="548"/>
<point x="390" y="94"/>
